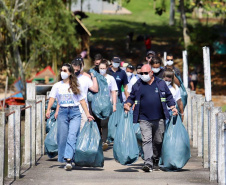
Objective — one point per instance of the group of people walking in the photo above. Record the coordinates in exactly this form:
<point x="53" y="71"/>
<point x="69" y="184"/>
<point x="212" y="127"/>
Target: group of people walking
<point x="150" y="91"/>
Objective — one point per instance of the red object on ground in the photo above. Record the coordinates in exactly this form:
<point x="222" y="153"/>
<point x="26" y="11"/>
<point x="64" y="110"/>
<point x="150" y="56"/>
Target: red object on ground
<point x="147" y="43"/>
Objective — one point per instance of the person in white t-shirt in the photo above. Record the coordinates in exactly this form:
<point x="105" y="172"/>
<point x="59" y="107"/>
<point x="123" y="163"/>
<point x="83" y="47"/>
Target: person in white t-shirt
<point x="113" y="88"/>
<point x="69" y="96"/>
<point x="86" y="83"/>
<point x="134" y="78"/>
<point x="168" y="77"/>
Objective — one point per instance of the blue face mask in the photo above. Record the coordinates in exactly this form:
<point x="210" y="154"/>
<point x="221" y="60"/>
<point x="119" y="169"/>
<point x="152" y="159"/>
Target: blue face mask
<point x="115" y="65"/>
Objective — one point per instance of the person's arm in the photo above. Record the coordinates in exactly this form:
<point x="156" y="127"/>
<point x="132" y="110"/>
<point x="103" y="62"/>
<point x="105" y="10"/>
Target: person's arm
<point x="176" y="81"/>
<point x="95" y="86"/>
<point x="85" y="108"/>
<point x="50" y="104"/>
<point x="181" y="108"/>
<point x="170" y="101"/>
<point x="114" y="99"/>
<point x="192" y="86"/>
<point x="130" y="100"/>
<point x="57" y="110"/>
<point x="126" y="90"/>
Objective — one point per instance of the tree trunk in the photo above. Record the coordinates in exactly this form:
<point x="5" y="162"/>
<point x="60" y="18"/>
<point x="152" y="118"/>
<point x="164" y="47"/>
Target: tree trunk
<point x="187" y="39"/>
<point x="172" y="13"/>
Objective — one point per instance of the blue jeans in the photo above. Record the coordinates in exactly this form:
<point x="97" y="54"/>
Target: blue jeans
<point x="68" y="125"/>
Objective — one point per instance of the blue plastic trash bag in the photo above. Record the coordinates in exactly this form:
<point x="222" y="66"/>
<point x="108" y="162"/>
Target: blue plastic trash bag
<point x="88" y="150"/>
<point x="125" y="148"/>
<point x="54" y="106"/>
<point x="176" y="146"/>
<point x="50" y="122"/>
<point x="51" y="146"/>
<point x="100" y="102"/>
<point x="114" y="121"/>
<point x="183" y="92"/>
<point x="137" y="130"/>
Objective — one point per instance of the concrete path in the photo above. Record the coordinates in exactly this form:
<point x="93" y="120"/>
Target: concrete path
<point x="51" y="172"/>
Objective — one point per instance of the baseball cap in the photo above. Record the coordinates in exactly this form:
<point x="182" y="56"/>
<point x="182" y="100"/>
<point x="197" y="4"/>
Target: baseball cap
<point x="116" y="59"/>
<point x="150" y="52"/>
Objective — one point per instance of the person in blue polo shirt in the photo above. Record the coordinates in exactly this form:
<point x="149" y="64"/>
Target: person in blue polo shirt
<point x="120" y="77"/>
<point x="151" y="97"/>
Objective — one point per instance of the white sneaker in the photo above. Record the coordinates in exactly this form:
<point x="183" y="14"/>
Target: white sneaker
<point x="68" y="167"/>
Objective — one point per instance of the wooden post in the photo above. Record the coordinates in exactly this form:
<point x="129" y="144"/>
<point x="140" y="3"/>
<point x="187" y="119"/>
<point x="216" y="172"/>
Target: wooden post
<point x="222" y="148"/>
<point x="214" y="142"/>
<point x="200" y="121"/>
<point x="185" y="69"/>
<point x="195" y="120"/>
<point x="207" y="73"/>
<point x="30" y="137"/>
<point x="206" y="136"/>
<point x="14" y="144"/>
<point x="31" y="91"/>
<point x="189" y="113"/>
<point x="40" y="124"/>
<point x="2" y="146"/>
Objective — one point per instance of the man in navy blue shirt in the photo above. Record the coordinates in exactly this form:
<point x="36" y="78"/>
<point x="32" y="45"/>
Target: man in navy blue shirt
<point x="120" y="77"/>
<point x="151" y="97"/>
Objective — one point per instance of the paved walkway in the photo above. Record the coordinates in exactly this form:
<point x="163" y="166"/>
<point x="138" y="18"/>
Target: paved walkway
<point x="51" y="172"/>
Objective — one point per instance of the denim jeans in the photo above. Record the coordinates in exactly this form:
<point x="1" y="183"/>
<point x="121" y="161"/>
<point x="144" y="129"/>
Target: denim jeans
<point x="68" y="125"/>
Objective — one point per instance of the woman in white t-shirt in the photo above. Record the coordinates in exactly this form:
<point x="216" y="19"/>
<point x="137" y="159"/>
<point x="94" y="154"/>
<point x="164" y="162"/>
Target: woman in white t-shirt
<point x="69" y="96"/>
<point x="168" y="77"/>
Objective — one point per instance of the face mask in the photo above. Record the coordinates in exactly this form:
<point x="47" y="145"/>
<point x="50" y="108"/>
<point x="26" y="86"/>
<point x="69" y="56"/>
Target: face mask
<point x="115" y="65"/>
<point x="145" y="78"/>
<point x="156" y="70"/>
<point x="168" y="83"/>
<point x="103" y="71"/>
<point x="129" y="74"/>
<point x="64" y="75"/>
<point x="77" y="73"/>
<point x="169" y="62"/>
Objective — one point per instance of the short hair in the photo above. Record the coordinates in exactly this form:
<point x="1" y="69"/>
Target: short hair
<point x="170" y="54"/>
<point x="77" y="62"/>
<point x="105" y="62"/>
<point x="98" y="57"/>
<point x="156" y="60"/>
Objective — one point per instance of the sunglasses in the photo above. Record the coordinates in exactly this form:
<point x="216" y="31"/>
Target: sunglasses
<point x="144" y="73"/>
<point x="64" y="70"/>
<point x="169" y="59"/>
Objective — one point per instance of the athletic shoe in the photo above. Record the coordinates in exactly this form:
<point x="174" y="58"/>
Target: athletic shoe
<point x="146" y="168"/>
<point x="68" y="166"/>
<point x="104" y="146"/>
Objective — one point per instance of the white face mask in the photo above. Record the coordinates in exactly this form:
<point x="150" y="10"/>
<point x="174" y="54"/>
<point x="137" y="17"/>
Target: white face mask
<point x="64" y="75"/>
<point x="168" y="83"/>
<point x="102" y="71"/>
<point x="129" y="74"/>
<point x="169" y="62"/>
<point x="156" y="70"/>
<point x="115" y="65"/>
<point x="145" y="78"/>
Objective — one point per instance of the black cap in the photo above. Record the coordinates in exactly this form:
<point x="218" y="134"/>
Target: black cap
<point x="130" y="66"/>
<point x="116" y="59"/>
<point x="150" y="52"/>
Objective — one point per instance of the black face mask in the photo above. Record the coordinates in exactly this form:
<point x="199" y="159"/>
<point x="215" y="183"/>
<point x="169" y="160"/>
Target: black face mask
<point x="96" y="68"/>
<point x="77" y="73"/>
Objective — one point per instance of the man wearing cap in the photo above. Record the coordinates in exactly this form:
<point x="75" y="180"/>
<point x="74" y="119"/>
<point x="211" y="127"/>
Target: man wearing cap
<point x="149" y="56"/>
<point x="170" y="65"/>
<point x="120" y="77"/>
<point x="151" y="97"/>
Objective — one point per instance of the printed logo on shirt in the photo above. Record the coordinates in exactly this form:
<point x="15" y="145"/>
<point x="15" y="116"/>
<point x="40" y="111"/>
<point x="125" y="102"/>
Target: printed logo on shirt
<point x="163" y="93"/>
<point x="156" y="90"/>
<point x="118" y="78"/>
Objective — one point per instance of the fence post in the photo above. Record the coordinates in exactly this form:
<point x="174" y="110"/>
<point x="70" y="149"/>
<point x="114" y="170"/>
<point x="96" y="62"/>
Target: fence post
<point x="31" y="91"/>
<point x="214" y="142"/>
<point x="185" y="69"/>
<point x="189" y="113"/>
<point x="164" y="57"/>
<point x="30" y="137"/>
<point x="14" y="144"/>
<point x="200" y="121"/>
<point x="206" y="136"/>
<point x="40" y="124"/>
<point x="2" y="146"/>
<point x="194" y="120"/>
<point x="222" y="148"/>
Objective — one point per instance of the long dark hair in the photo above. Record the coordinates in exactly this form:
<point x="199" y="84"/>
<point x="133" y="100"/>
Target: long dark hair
<point x="73" y="81"/>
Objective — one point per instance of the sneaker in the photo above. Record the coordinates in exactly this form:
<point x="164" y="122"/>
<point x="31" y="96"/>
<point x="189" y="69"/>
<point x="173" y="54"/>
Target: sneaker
<point x="146" y="168"/>
<point x="68" y="166"/>
<point x="104" y="146"/>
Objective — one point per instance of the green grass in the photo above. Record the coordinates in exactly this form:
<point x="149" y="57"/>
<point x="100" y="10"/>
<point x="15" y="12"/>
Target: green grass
<point x="224" y="108"/>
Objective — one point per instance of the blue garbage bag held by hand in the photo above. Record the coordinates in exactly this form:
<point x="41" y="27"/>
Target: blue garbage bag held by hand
<point x="183" y="92"/>
<point x="137" y="130"/>
<point x="88" y="150"/>
<point x="51" y="121"/>
<point x="100" y="102"/>
<point x="125" y="147"/>
<point x="176" y="146"/>
<point x="114" y="120"/>
<point x="51" y="146"/>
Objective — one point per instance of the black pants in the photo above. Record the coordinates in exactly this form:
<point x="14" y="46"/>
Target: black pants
<point x="103" y="127"/>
